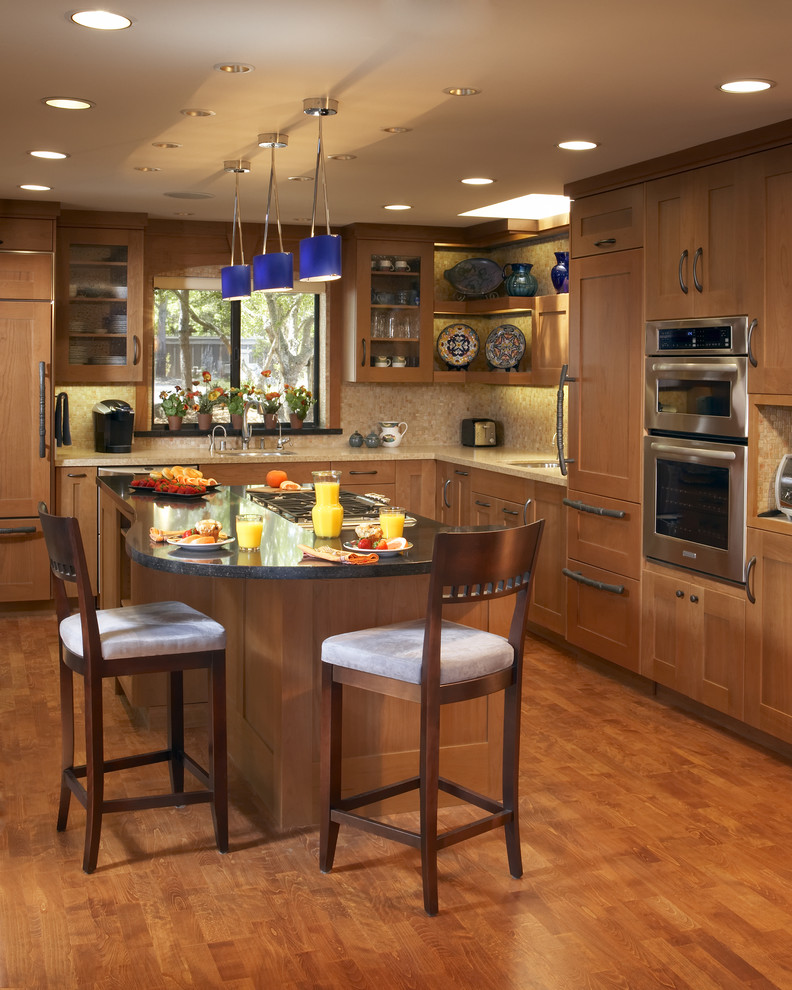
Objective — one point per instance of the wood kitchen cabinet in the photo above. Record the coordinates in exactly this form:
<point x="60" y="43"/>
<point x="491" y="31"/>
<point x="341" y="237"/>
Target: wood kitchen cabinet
<point x="452" y="494"/>
<point x="376" y="476"/>
<point x="415" y="486"/>
<point x="76" y="495"/>
<point x="693" y="637"/>
<point x="99" y="314"/>
<point x="606" y="222"/>
<point x="550" y="340"/>
<point x="388" y="290"/>
<point x="698" y="245"/>
<point x="244" y="472"/>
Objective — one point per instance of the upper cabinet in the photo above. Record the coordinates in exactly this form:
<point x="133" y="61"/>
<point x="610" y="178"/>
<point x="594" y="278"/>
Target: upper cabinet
<point x="611" y="221"/>
<point x="388" y="310"/>
<point x="99" y="314"/>
<point x="698" y="258"/>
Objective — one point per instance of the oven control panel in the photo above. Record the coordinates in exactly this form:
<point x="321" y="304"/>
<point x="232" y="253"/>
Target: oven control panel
<point x="694" y="338"/>
<point x="727" y="335"/>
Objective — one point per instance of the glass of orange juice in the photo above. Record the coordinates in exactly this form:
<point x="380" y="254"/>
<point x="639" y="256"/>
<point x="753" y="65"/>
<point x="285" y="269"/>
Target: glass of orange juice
<point x="248" y="531"/>
<point x="327" y="515"/>
<point x="391" y="520"/>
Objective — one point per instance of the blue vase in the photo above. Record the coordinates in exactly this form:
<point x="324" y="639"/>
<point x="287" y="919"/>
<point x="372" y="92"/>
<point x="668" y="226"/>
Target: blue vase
<point x="559" y="273"/>
<point x="520" y="282"/>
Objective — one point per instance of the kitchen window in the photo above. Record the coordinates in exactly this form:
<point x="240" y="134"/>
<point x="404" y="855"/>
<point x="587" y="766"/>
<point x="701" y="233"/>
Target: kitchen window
<point x="195" y="330"/>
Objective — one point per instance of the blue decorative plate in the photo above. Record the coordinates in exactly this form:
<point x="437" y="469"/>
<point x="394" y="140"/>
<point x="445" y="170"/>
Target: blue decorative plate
<point x="475" y="276"/>
<point x="505" y="346"/>
<point x="457" y="345"/>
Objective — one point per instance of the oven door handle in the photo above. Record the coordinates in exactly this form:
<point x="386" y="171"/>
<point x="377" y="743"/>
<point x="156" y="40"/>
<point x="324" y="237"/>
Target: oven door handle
<point x="715" y="455"/>
<point x="696" y="366"/>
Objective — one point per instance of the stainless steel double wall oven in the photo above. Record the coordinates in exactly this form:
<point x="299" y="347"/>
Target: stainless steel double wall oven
<point x="696" y="416"/>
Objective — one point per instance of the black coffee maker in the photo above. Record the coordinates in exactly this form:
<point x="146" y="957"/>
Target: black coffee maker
<point x="114" y="420"/>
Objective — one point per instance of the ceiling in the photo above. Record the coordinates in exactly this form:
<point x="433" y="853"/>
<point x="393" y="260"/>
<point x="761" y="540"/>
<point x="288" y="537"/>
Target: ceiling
<point x="639" y="78"/>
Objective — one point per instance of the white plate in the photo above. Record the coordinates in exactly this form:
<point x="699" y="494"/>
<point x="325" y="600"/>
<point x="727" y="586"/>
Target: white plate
<point x="382" y="553"/>
<point x="201" y="547"/>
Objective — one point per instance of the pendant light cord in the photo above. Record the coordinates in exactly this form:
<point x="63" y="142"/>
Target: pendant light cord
<point x="273" y="186"/>
<point x="237" y="223"/>
<point x="320" y="169"/>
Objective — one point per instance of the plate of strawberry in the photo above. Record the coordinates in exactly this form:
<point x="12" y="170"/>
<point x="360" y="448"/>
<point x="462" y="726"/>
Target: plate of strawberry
<point x="380" y="546"/>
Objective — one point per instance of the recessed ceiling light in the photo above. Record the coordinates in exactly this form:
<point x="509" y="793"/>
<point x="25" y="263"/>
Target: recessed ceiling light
<point x="301" y="219"/>
<point x="532" y="207"/>
<point x="577" y="145"/>
<point x="396" y="130"/>
<point x="67" y="103"/>
<point x="33" y="188"/>
<point x="234" y="67"/>
<point x="342" y="158"/>
<point x="54" y="155"/>
<point x="462" y="91"/>
<point x="300" y="178"/>
<point x="747" y="85"/>
<point x="147" y="168"/>
<point x="188" y="195"/>
<point x="100" y="20"/>
<point x="184" y="214"/>
<point x="164" y="144"/>
<point x="192" y="112"/>
<point x="397" y="206"/>
<point x="477" y="182"/>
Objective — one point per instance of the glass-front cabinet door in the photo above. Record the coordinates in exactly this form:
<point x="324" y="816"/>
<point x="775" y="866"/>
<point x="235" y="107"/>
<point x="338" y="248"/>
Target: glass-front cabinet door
<point x="389" y="324"/>
<point x="100" y="307"/>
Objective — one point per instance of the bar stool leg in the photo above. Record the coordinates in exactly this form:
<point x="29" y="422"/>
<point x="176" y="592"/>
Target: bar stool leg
<point x="94" y="779"/>
<point x="67" y="740"/>
<point x="430" y="773"/>
<point x="218" y="759"/>
<point x="510" y="772"/>
<point x="330" y="776"/>
<point x="176" y="730"/>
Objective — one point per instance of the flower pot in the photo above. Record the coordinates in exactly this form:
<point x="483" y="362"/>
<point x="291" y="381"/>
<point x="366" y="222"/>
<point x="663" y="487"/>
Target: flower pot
<point x="174" y="423"/>
<point x="236" y="421"/>
<point x="204" y="421"/>
<point x="295" y="421"/>
<point x="271" y="421"/>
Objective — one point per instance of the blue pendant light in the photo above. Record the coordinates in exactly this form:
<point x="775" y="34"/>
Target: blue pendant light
<point x="320" y="254"/>
<point x="235" y="279"/>
<point x="273" y="272"/>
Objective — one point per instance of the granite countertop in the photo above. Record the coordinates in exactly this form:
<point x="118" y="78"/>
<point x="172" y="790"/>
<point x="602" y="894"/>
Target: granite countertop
<point x="279" y="556"/>
<point x="498" y="459"/>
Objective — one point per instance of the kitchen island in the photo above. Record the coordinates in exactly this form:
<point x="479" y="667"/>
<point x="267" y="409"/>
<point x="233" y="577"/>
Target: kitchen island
<point x="277" y="608"/>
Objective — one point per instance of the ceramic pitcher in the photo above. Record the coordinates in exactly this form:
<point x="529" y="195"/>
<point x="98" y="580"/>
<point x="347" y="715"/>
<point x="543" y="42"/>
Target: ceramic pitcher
<point x="391" y="433"/>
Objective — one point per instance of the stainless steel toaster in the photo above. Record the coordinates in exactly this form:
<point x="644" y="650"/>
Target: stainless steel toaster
<point x="783" y="486"/>
<point x="479" y="433"/>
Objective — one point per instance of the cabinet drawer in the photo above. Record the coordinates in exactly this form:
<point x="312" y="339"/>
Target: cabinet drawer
<point x="490" y="484"/>
<point x="24" y="564"/>
<point x="20" y="234"/>
<point x="611" y="221"/>
<point x="366" y="473"/>
<point x="604" y="532"/>
<point x="604" y="613"/>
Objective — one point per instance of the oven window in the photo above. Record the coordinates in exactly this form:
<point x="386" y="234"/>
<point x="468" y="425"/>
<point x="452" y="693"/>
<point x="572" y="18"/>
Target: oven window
<point x="689" y="397"/>
<point x="692" y="503"/>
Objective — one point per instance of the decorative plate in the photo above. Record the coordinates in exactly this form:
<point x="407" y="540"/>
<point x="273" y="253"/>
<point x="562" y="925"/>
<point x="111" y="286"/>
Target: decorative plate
<point x="475" y="276"/>
<point x="353" y="547"/>
<point x="505" y="346"/>
<point x="201" y="547"/>
<point x="209" y="490"/>
<point x="457" y="345"/>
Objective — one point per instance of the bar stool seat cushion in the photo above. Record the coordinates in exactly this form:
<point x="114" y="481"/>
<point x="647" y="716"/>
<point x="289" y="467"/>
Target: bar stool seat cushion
<point x="396" y="651"/>
<point x="158" y="629"/>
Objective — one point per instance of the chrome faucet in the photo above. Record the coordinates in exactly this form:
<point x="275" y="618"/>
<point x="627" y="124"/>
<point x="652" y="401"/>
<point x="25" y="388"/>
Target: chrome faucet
<point x="219" y="426"/>
<point x="282" y="441"/>
<point x="245" y="424"/>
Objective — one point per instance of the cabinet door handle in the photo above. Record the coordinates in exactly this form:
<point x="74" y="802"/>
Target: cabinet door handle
<point x="694" y="599"/>
<point x="487" y="505"/>
<point x="562" y="461"/>
<point x="463" y="473"/>
<point x="509" y="512"/>
<point x="679" y="594"/>
<point x="696" y="258"/>
<point x="751" y="328"/>
<point x="749" y="592"/>
<point x="682" y="260"/>
<point x="8" y="530"/>
<point x="605" y="241"/>
<point x="76" y="475"/>
<point x="42" y="411"/>
<point x="363" y="358"/>
<point x="597" y="510"/>
<point x="363" y="472"/>
<point x="525" y="510"/>
<point x="446" y="503"/>
<point x="135" y="349"/>
<point x="614" y="589"/>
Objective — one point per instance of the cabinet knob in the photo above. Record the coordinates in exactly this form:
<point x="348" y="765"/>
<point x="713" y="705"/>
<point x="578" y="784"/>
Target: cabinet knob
<point x="694" y="598"/>
<point x="680" y="594"/>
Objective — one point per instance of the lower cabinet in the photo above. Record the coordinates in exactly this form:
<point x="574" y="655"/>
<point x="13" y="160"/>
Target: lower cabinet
<point x="24" y="564"/>
<point x="452" y="498"/>
<point x="768" y="658"/>
<point x="76" y="495"/>
<point x="246" y="473"/>
<point x="603" y="572"/>
<point x="694" y="637"/>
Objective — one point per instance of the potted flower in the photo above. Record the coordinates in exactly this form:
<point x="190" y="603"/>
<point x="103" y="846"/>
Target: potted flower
<point x="299" y="400"/>
<point x="176" y="405"/>
<point x="207" y="400"/>
<point x="271" y="402"/>
<point x="234" y="399"/>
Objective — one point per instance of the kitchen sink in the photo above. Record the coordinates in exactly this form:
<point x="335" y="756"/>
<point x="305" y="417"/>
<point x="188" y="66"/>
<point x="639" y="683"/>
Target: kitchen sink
<point x="536" y="462"/>
<point x="257" y="453"/>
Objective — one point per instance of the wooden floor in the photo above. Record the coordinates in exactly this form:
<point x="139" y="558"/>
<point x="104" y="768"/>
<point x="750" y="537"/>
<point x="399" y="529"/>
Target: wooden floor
<point x="657" y="853"/>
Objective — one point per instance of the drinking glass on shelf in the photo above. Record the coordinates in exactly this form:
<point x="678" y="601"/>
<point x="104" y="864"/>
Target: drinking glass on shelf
<point x="379" y="323"/>
<point x="399" y="324"/>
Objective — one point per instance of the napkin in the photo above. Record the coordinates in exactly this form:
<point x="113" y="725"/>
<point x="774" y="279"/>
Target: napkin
<point x="338" y="556"/>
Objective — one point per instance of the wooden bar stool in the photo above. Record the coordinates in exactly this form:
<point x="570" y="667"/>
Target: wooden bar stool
<point x="161" y="637"/>
<point x="435" y="662"/>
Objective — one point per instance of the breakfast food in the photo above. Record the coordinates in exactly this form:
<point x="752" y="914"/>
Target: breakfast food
<point x="177" y="480"/>
<point x="275" y="478"/>
<point x="369" y="531"/>
<point x="208" y="527"/>
<point x="289" y="486"/>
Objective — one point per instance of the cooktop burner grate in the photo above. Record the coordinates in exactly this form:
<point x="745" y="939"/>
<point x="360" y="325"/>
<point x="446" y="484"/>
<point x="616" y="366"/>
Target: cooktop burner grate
<point x="296" y="506"/>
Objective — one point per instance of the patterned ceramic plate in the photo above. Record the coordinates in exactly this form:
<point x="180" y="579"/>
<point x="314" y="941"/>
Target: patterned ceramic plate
<point x="505" y="346"/>
<point x="475" y="276"/>
<point x="457" y="345"/>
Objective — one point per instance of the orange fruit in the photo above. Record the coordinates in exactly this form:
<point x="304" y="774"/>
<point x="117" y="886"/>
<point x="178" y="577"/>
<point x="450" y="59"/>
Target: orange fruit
<point x="397" y="543"/>
<point x="275" y="477"/>
<point x="290" y="486"/>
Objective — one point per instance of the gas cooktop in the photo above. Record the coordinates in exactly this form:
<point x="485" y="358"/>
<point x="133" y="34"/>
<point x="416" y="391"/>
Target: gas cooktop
<point x="296" y="506"/>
